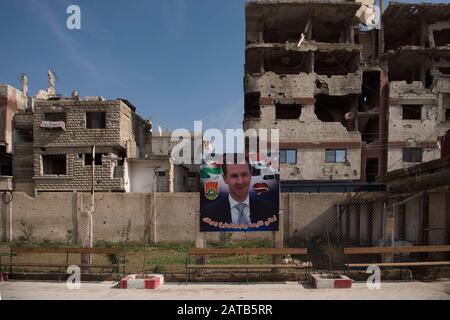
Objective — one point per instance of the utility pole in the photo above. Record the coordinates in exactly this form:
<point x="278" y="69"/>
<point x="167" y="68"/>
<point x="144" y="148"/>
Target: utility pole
<point x="87" y="258"/>
<point x="92" y="205"/>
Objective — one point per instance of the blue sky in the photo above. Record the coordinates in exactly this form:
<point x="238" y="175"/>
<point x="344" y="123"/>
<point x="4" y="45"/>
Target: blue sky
<point x="176" y="60"/>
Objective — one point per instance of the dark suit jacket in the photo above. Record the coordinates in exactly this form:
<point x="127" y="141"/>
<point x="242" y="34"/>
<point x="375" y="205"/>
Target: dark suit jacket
<point x="220" y="211"/>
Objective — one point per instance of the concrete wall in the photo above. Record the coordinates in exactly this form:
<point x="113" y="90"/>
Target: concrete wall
<point x="171" y="217"/>
<point x="174" y="217"/>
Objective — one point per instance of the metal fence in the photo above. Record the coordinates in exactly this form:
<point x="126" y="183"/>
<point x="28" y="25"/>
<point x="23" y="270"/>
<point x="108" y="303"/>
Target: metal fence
<point x="359" y="221"/>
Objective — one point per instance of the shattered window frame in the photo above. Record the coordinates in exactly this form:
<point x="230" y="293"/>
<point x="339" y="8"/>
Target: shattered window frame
<point x="95" y="119"/>
<point x="88" y="159"/>
<point x="55" y="116"/>
<point x="46" y="160"/>
<point x="412" y="111"/>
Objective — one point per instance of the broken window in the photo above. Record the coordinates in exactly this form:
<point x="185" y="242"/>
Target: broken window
<point x="369" y="127"/>
<point x="288" y="156"/>
<point x="398" y="34"/>
<point x="371" y="169"/>
<point x="54" y="120"/>
<point x="287" y="62"/>
<point x="54" y="164"/>
<point x="88" y="159"/>
<point x="253" y="61"/>
<point x="441" y="38"/>
<point x="287" y="111"/>
<point x="22" y="135"/>
<point x="161" y="173"/>
<point x="336" y="109"/>
<point x="412" y="112"/>
<point x="251" y="105"/>
<point x="336" y="62"/>
<point x="447" y="114"/>
<point x="412" y="154"/>
<point x="404" y="70"/>
<point x="369" y="99"/>
<point x="335" y="155"/>
<point x="95" y="120"/>
<point x="5" y="163"/>
<point x="444" y="70"/>
<point x="55" y="116"/>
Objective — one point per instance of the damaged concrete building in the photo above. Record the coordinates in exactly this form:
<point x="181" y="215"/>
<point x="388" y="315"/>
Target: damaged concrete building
<point x="11" y="101"/>
<point x="163" y="144"/>
<point x="53" y="147"/>
<point x="417" y="53"/>
<point x="351" y="102"/>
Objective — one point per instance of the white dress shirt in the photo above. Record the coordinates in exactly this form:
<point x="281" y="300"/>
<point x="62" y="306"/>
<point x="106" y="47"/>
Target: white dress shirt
<point x="235" y="211"/>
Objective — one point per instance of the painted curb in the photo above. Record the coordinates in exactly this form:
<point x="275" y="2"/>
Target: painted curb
<point x="150" y="281"/>
<point x="343" y="282"/>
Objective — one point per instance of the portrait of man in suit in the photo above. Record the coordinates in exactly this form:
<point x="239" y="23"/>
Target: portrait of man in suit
<point x="239" y="210"/>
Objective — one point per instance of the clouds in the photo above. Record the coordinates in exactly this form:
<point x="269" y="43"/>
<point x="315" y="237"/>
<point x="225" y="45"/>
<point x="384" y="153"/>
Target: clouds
<point x="227" y="116"/>
<point x="174" y="14"/>
<point x="57" y="27"/>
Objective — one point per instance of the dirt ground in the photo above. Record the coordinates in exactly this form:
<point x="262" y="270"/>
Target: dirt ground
<point x="38" y="290"/>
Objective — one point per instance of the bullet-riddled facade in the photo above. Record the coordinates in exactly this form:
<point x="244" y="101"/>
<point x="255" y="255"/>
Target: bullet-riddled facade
<point x="313" y="72"/>
<point x="64" y="133"/>
<point x="417" y="50"/>
<point x="11" y="101"/>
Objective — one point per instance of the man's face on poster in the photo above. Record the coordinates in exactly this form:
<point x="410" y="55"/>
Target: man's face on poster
<point x="238" y="177"/>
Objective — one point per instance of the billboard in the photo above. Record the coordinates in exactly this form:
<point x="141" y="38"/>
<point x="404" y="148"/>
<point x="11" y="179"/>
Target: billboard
<point x="239" y="195"/>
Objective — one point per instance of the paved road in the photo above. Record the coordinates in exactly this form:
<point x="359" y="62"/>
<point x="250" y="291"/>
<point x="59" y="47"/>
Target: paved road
<point x="217" y="291"/>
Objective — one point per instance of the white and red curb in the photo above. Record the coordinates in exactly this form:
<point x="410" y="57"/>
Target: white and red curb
<point x="322" y="282"/>
<point x="148" y="281"/>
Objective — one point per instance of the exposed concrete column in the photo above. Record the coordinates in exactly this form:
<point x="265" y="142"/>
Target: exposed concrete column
<point x="441" y="113"/>
<point x="309" y="29"/>
<point x="423" y="32"/>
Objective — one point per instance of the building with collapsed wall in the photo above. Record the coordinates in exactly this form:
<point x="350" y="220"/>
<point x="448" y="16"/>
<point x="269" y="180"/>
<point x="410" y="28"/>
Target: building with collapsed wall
<point x="53" y="140"/>
<point x="417" y="53"/>
<point x="351" y="102"/>
<point x="11" y="101"/>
